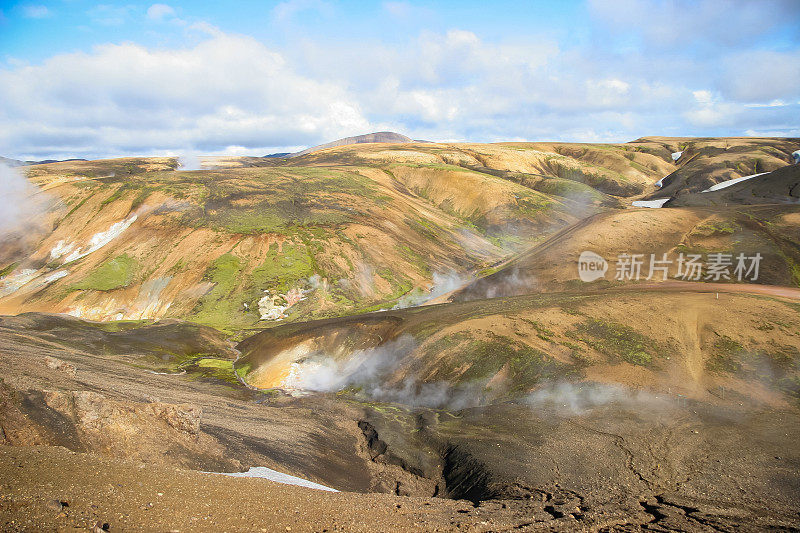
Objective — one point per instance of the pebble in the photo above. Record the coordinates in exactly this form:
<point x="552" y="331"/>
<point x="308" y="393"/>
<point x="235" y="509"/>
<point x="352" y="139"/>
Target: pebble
<point x="54" y="505"/>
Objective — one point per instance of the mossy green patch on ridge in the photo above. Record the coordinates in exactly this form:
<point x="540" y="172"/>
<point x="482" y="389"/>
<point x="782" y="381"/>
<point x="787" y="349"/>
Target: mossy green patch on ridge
<point x="282" y="271"/>
<point x="472" y="359"/>
<point x="113" y="274"/>
<point x="282" y="200"/>
<point x="216" y="308"/>
<point x="616" y="340"/>
<point x="724" y="355"/>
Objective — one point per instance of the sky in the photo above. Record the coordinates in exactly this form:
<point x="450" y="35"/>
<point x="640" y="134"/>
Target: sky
<point x="86" y="79"/>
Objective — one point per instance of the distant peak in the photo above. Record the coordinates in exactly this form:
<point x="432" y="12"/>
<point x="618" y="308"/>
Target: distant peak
<point x="377" y="137"/>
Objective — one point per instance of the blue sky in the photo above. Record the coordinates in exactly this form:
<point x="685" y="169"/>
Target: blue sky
<point x="89" y="79"/>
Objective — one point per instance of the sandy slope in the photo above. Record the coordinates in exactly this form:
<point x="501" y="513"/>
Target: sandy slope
<point x="131" y="496"/>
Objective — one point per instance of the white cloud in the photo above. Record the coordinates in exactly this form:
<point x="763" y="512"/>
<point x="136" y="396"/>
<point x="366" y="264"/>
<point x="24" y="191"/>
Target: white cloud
<point x="226" y="91"/>
<point x="774" y="103"/>
<point x="789" y="132"/>
<point x="608" y="92"/>
<point x="398" y="9"/>
<point x="762" y="75"/>
<point x="703" y="97"/>
<point x="686" y="23"/>
<point x="35" y="11"/>
<point x="235" y="94"/>
<point x="159" y="12"/>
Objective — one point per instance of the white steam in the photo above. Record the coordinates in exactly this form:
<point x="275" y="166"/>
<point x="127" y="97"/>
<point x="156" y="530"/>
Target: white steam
<point x="20" y="205"/>
<point x="369" y="371"/>
<point x="374" y="372"/>
<point x="577" y="398"/>
<point x="518" y="282"/>
<point x="442" y="284"/>
<point x="326" y="374"/>
<point x="189" y="162"/>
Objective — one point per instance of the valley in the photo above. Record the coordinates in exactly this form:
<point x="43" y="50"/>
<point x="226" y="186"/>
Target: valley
<point x="405" y="322"/>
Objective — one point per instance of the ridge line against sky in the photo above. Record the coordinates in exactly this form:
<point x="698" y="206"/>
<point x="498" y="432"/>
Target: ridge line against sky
<point x="87" y="79"/>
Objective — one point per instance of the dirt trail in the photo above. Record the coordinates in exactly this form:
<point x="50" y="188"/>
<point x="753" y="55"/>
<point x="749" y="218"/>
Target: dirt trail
<point x="738" y="288"/>
<point x="693" y="355"/>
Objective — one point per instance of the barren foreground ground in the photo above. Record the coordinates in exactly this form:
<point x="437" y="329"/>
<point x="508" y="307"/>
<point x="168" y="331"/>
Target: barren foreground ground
<point x="657" y="460"/>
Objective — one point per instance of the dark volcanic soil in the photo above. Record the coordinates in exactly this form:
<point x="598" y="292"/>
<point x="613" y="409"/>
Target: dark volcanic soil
<point x="644" y="462"/>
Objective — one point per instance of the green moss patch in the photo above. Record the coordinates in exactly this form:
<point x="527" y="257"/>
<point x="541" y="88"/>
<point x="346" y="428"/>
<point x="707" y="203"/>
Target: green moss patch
<point x="211" y="368"/>
<point x="217" y="308"/>
<point x="617" y="341"/>
<point x="471" y="360"/>
<point x="710" y="229"/>
<point x="282" y="271"/>
<point x="297" y="198"/>
<point x="725" y="355"/>
<point x="113" y="274"/>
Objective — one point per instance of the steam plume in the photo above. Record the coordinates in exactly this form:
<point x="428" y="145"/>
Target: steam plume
<point x="442" y="284"/>
<point x="189" y="162"/>
<point x="369" y="372"/>
<point x="576" y="398"/>
<point x="20" y="206"/>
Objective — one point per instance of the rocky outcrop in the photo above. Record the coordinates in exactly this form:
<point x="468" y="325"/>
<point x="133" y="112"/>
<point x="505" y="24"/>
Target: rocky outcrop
<point x="16" y="428"/>
<point x="62" y="366"/>
<point x="88" y="421"/>
<point x="92" y="412"/>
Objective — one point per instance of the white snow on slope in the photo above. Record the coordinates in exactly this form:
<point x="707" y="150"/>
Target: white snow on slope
<point x="659" y="202"/>
<point x="278" y="477"/>
<point x="660" y="183"/>
<point x="677" y="155"/>
<point x="61" y="249"/>
<point x="50" y="278"/>
<point x="728" y="183"/>
<point x="13" y="282"/>
<point x="97" y="241"/>
<point x="29" y="280"/>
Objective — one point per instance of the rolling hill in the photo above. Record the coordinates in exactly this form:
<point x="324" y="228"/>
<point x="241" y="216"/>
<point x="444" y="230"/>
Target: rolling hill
<point x="359" y="227"/>
<point x="343" y="230"/>
<point x="407" y="318"/>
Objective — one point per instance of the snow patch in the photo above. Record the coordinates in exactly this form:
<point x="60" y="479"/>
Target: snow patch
<point x="61" y="249"/>
<point x="13" y="282"/>
<point x="728" y="183"/>
<point x="279" y="477"/>
<point x="29" y="279"/>
<point x="50" y="278"/>
<point x="651" y="203"/>
<point x="98" y="240"/>
<point x="677" y="155"/>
